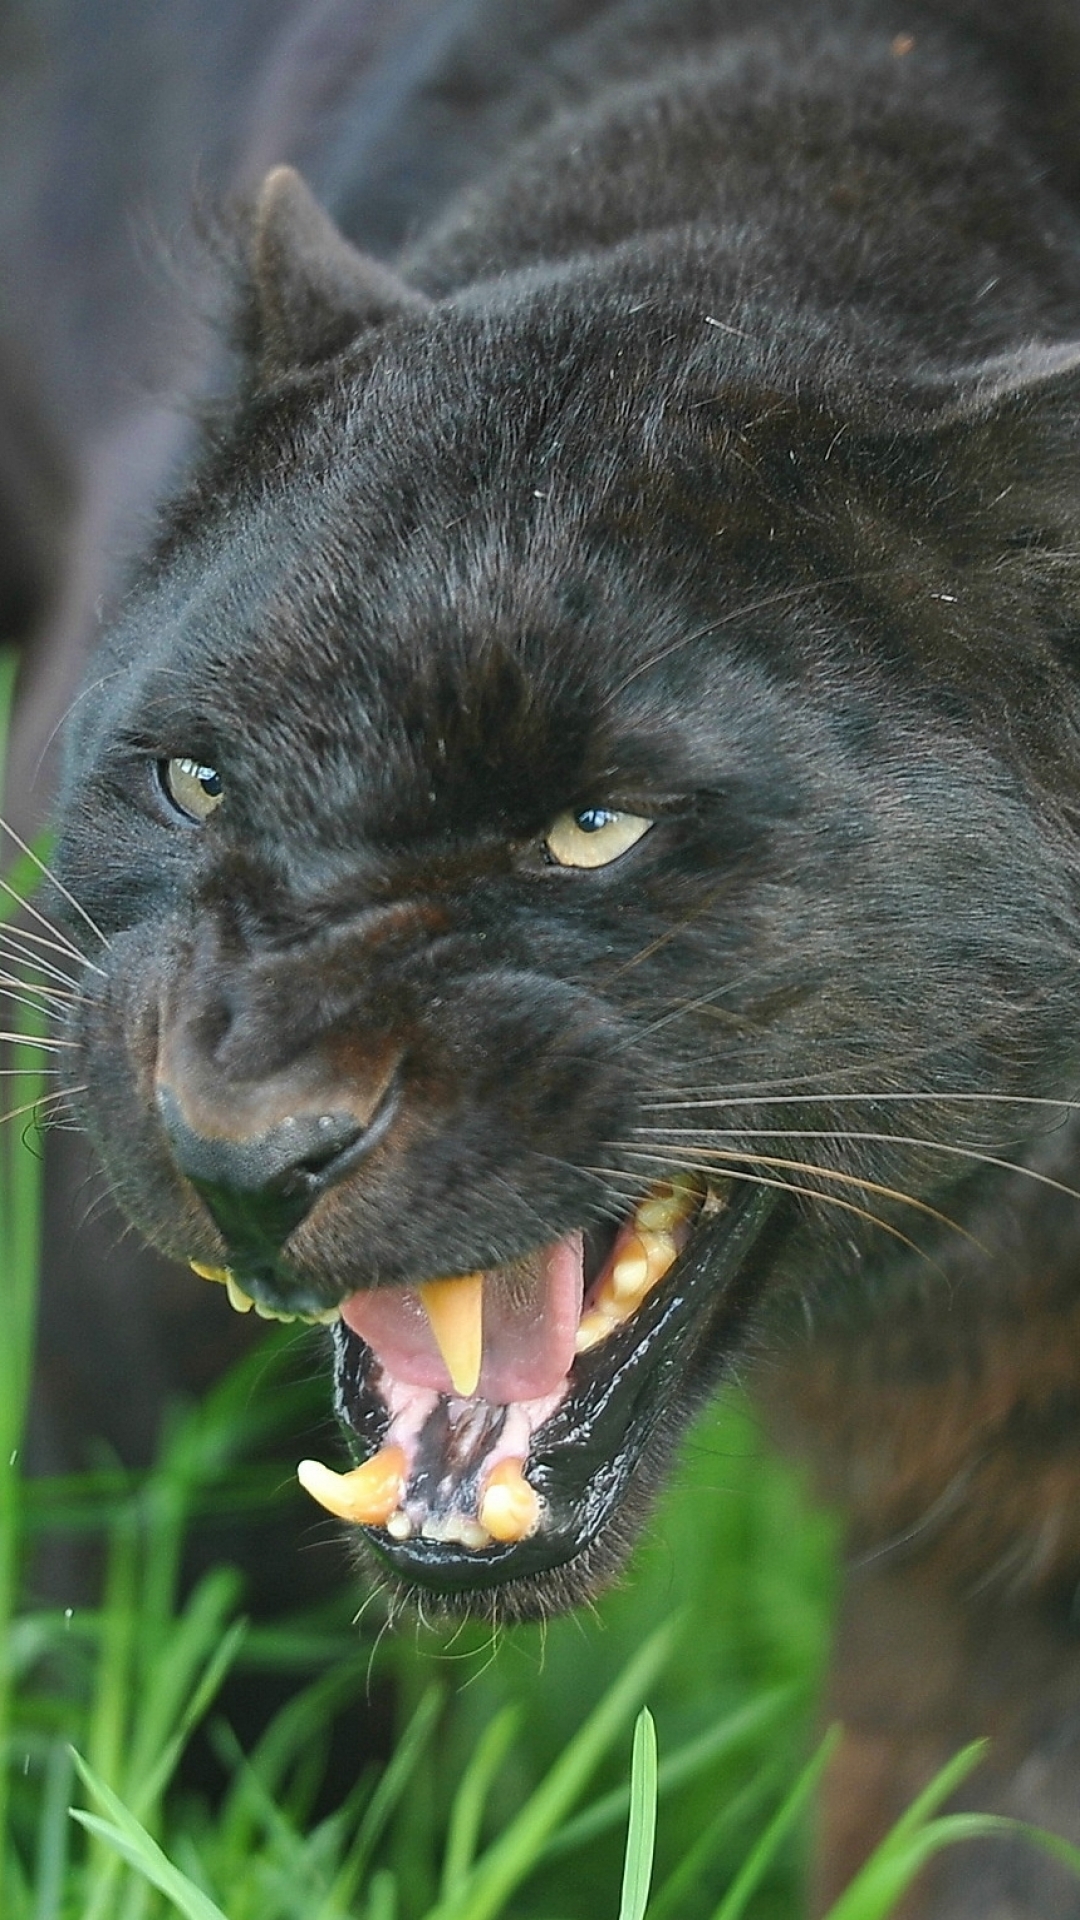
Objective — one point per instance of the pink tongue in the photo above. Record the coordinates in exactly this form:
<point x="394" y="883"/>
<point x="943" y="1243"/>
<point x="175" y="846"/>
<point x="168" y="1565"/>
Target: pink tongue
<point x="531" y="1314"/>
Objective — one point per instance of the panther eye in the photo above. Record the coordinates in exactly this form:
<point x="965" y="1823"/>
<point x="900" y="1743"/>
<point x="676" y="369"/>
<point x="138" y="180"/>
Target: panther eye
<point x="194" y="790"/>
<point x="594" y="837"/>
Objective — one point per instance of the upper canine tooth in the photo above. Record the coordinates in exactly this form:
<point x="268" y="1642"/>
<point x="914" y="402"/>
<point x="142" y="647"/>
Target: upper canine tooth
<point x="455" y="1309"/>
<point x="367" y="1496"/>
<point x="509" y="1507"/>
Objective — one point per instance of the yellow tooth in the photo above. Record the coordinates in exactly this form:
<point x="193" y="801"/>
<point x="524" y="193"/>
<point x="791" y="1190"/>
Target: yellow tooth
<point x="510" y="1508"/>
<point x="455" y="1309"/>
<point x="243" y="1303"/>
<point x="592" y="1328"/>
<point x="630" y="1274"/>
<point x="367" y="1496"/>
<point x="666" y="1206"/>
<point x="660" y="1251"/>
<point x="643" y="1262"/>
<point x="655" y="1213"/>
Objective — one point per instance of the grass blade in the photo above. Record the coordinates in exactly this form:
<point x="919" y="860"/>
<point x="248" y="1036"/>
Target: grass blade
<point x="641" y="1833"/>
<point x="692" y="1758"/>
<point x="130" y="1840"/>
<point x="761" y="1856"/>
<point x="510" y="1858"/>
<point x="467" y="1811"/>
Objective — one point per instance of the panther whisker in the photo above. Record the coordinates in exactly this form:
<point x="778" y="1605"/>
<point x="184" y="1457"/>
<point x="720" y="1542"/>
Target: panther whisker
<point x="663" y="939"/>
<point x="39" y="990"/>
<point x="15" y="998"/>
<point x="827" y="1200"/>
<point x="27" y="906"/>
<point x="51" y="877"/>
<point x="54" y="1099"/>
<point x="52" y="978"/>
<point x="14" y="932"/>
<point x="757" y="1089"/>
<point x="957" y="1149"/>
<point x="838" y="1176"/>
<point x="51" y="1044"/>
<point x="11" y="950"/>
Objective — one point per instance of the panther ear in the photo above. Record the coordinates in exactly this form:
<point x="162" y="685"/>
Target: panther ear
<point x="311" y="292"/>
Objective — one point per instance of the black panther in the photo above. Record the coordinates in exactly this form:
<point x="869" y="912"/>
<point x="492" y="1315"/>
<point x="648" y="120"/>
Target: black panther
<point x="577" y="800"/>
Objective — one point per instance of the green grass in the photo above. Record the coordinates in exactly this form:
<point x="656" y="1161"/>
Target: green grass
<point x="506" y="1789"/>
<point x="526" y="1775"/>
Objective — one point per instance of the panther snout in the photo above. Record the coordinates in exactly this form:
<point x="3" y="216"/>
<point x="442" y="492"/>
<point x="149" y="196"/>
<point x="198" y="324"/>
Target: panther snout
<point x="258" y="1185"/>
<point x="298" y="1156"/>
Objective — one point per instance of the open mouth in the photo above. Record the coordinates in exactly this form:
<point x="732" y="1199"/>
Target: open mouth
<point x="502" y="1415"/>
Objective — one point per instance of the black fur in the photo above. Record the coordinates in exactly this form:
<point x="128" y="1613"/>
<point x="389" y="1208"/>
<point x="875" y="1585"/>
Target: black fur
<point x="708" y="453"/>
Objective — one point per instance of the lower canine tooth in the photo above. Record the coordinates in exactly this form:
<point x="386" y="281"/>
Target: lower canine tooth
<point x="510" y="1508"/>
<point x="367" y="1496"/>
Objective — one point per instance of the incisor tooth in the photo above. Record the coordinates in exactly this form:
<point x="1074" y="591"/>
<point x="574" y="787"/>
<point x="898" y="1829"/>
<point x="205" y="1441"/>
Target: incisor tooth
<point x="510" y="1508"/>
<point x="455" y="1309"/>
<point x="238" y="1299"/>
<point x="367" y="1496"/>
<point x="474" y="1536"/>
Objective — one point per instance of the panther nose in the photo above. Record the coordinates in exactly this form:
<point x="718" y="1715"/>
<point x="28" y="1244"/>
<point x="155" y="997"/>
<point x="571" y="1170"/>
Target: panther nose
<point x="258" y="1188"/>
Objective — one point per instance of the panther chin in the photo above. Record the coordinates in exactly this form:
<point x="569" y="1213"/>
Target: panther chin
<point x="507" y="1424"/>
